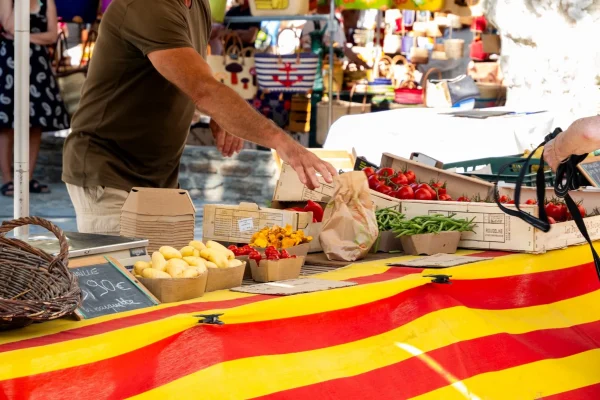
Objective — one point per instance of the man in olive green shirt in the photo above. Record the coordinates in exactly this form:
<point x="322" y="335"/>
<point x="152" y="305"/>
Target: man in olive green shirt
<point x="147" y="77"/>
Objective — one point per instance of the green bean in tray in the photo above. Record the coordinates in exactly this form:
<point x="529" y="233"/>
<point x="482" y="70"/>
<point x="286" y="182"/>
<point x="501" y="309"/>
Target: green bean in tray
<point x="387" y="218"/>
<point x="432" y="224"/>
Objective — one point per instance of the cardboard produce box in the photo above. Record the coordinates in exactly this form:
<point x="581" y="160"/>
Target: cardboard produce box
<point x="225" y="278"/>
<point x="237" y="224"/>
<point x="457" y="185"/>
<point x="176" y="289"/>
<point x="166" y="217"/>
<point x="272" y="271"/>
<point x="495" y="230"/>
<point x="290" y="189"/>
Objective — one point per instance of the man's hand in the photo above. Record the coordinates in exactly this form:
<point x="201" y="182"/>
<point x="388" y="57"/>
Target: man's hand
<point x="227" y="144"/>
<point x="305" y="163"/>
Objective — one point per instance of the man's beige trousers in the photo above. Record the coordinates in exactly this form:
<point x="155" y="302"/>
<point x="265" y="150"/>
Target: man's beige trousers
<point x="98" y="209"/>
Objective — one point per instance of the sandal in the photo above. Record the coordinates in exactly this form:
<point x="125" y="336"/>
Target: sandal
<point x="36" y="187"/>
<point x="8" y="189"/>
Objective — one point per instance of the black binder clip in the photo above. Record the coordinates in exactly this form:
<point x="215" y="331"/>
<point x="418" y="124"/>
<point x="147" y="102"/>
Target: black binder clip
<point x="443" y="279"/>
<point x="212" y="319"/>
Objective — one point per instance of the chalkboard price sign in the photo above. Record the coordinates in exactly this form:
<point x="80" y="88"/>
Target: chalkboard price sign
<point x="590" y="168"/>
<point x="108" y="289"/>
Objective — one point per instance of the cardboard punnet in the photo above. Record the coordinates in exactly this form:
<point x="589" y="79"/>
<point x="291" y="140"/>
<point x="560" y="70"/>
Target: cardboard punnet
<point x="225" y="278"/>
<point x="163" y="216"/>
<point x="431" y="243"/>
<point x="290" y="189"/>
<point x="387" y="242"/>
<point x="222" y="222"/>
<point x="495" y="230"/>
<point x="271" y="271"/>
<point x="176" y="289"/>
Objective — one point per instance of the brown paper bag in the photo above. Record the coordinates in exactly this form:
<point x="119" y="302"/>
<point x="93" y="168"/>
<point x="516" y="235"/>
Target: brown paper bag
<point x="349" y="222"/>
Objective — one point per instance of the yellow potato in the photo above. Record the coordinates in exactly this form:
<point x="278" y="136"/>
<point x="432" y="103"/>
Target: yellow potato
<point x="235" y="263"/>
<point x="175" y="267"/>
<point x="194" y="261"/>
<point x="196" y="253"/>
<point x="211" y="244"/>
<point x="169" y="252"/>
<point x="190" y="273"/>
<point x="209" y="264"/>
<point x="202" y="269"/>
<point x="139" y="266"/>
<point x="198" y="245"/>
<point x="215" y="256"/>
<point x="158" y="261"/>
<point x="187" y="251"/>
<point x="152" y="273"/>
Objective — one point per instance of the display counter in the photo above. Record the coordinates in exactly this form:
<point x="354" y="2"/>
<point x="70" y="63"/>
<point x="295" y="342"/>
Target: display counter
<point x="517" y="326"/>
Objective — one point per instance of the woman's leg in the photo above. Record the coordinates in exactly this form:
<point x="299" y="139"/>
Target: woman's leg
<point x="6" y="154"/>
<point x="35" y="139"/>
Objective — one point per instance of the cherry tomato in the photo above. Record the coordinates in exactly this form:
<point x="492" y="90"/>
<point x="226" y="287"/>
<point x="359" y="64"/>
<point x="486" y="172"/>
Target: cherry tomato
<point x="414" y="186"/>
<point x="406" y="193"/>
<point x="412" y="178"/>
<point x="445" y="197"/>
<point x="510" y="202"/>
<point x="551" y="220"/>
<point x="439" y="187"/>
<point x="555" y="211"/>
<point x="284" y="254"/>
<point x="369" y="171"/>
<point x="423" y="194"/>
<point x="531" y="201"/>
<point x="563" y="212"/>
<point x="464" y="199"/>
<point x="582" y="211"/>
<point x="236" y="251"/>
<point x="504" y="199"/>
<point x="374" y="181"/>
<point x="425" y="186"/>
<point x="399" y="180"/>
<point x="385" y="189"/>
<point x="385" y="172"/>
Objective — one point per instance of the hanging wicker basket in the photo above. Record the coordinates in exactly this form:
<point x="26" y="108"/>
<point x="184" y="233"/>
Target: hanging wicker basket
<point x="34" y="286"/>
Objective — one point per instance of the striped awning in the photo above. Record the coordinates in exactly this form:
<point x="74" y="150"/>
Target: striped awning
<point x="515" y="327"/>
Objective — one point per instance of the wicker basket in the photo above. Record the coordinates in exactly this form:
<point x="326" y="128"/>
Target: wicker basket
<point x="34" y="286"/>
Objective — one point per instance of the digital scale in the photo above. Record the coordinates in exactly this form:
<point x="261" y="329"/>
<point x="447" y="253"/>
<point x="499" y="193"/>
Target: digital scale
<point x="125" y="250"/>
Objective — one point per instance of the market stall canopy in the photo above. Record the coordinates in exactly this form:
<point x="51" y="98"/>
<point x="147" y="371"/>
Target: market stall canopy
<point x="432" y="132"/>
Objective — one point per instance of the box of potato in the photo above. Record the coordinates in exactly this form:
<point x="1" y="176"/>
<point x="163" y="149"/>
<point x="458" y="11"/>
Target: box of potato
<point x="177" y="275"/>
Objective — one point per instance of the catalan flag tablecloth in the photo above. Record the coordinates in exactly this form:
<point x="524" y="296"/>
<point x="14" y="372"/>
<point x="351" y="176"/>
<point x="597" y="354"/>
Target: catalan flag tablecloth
<point x="515" y="327"/>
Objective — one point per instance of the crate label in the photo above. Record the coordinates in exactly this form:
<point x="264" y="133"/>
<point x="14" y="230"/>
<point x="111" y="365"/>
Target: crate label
<point x="246" y="224"/>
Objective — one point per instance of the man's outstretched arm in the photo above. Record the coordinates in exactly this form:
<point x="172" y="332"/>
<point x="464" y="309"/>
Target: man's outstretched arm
<point x="186" y="69"/>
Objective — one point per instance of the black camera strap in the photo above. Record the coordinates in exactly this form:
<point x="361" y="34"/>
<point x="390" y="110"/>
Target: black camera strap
<point x="568" y="177"/>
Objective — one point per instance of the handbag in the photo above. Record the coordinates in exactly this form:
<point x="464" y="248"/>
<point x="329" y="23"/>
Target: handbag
<point x="71" y="79"/>
<point x="286" y="73"/>
<point x="447" y="93"/>
<point x="418" y="55"/>
<point x="406" y="90"/>
<point x="235" y="68"/>
<point x="477" y="52"/>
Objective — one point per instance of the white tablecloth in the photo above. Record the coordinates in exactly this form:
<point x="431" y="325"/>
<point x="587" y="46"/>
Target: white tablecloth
<point x="443" y="137"/>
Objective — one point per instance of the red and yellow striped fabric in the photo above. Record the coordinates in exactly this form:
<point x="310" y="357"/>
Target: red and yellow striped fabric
<point x="515" y="327"/>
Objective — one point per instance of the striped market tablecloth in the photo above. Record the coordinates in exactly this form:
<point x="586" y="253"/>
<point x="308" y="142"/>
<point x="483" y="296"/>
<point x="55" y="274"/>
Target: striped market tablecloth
<point x="515" y="327"/>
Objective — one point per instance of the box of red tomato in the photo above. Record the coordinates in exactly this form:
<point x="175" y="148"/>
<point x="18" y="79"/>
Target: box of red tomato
<point x="270" y="264"/>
